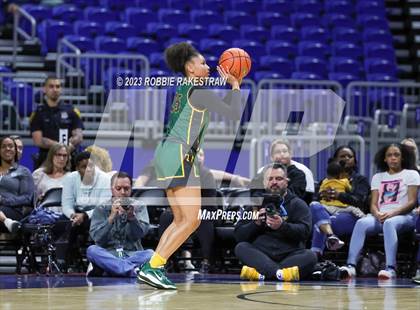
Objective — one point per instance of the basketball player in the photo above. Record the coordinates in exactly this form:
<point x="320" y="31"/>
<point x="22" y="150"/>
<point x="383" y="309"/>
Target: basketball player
<point x="174" y="161"/>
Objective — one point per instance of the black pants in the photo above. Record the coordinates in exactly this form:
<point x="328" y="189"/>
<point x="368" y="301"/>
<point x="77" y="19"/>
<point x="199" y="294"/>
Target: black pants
<point x="11" y="213"/>
<point x="253" y="257"/>
<point x="204" y="233"/>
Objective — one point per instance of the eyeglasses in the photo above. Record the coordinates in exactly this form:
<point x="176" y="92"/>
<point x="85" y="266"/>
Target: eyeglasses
<point x="61" y="155"/>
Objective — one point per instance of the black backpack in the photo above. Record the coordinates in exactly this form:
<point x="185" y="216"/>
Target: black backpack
<point x="326" y="271"/>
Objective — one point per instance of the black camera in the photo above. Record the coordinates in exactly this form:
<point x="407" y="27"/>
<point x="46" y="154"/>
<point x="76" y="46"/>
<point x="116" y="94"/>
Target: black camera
<point x="271" y="203"/>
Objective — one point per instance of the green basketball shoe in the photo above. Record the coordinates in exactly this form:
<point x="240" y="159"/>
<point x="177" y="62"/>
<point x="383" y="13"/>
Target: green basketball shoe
<point x="155" y="277"/>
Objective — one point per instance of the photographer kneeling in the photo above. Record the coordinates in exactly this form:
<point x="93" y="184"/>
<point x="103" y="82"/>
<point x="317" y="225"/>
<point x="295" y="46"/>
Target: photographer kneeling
<point x="273" y="246"/>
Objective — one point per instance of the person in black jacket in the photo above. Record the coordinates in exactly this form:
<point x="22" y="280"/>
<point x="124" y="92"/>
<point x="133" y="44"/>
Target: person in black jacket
<point x="273" y="246"/>
<point x="328" y="227"/>
<point x="280" y="152"/>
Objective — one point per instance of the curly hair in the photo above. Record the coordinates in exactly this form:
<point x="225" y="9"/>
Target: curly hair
<point x="408" y="159"/>
<point x="101" y="157"/>
<point x="178" y="54"/>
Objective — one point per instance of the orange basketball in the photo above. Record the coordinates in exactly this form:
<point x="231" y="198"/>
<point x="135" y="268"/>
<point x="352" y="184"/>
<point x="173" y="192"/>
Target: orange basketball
<point x="237" y="61"/>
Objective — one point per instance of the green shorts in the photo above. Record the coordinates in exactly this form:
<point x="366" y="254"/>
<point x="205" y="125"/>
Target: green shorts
<point x="175" y="166"/>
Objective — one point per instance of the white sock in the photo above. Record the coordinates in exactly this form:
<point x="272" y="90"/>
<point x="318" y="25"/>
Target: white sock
<point x="8" y="223"/>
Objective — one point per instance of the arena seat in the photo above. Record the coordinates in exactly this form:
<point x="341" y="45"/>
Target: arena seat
<point x="107" y="44"/>
<point x="254" y="33"/>
<point x="379" y="65"/>
<point x="345" y="65"/>
<point x="87" y="28"/>
<point x="338" y="20"/>
<point x="101" y="15"/>
<point x="346" y="34"/>
<point x="142" y="45"/>
<point x="339" y="7"/>
<point x="343" y="78"/>
<point x="191" y="31"/>
<point x="346" y="49"/>
<point x="172" y="16"/>
<point x="162" y="32"/>
<point x="314" y="7"/>
<point x="269" y="19"/>
<point x="237" y="18"/>
<point x="223" y="32"/>
<point x="313" y="49"/>
<point x="284" y="33"/>
<point x="379" y="50"/>
<point x="281" y="48"/>
<point x="120" y="30"/>
<point x="311" y="64"/>
<point x="213" y="46"/>
<point x="66" y="12"/>
<point x="306" y="76"/>
<point x="314" y="34"/>
<point x="85" y="44"/>
<point x="280" y="6"/>
<point x="249" y="6"/>
<point x="205" y="17"/>
<point x="282" y="66"/>
<point x="301" y="19"/>
<point x="50" y="31"/>
<point x="138" y="17"/>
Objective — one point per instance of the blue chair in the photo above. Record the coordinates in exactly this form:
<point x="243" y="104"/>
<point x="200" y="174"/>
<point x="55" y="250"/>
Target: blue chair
<point x="269" y="19"/>
<point x="346" y="49"/>
<point x="377" y="35"/>
<point x="152" y="5"/>
<point x="345" y="65"/>
<point x="380" y="77"/>
<point x="182" y="5"/>
<point x="372" y="21"/>
<point x="277" y="64"/>
<point x="237" y="18"/>
<point x="89" y="29"/>
<point x="172" y="16"/>
<point x="371" y="7"/>
<point x="110" y="76"/>
<point x="39" y="12"/>
<point x="379" y="65"/>
<point x="346" y="34"/>
<point x="379" y="50"/>
<point x="22" y="95"/>
<point x="162" y="32"/>
<point x="66" y="12"/>
<point x="254" y="49"/>
<point x="343" y="78"/>
<point x="142" y="45"/>
<point x="99" y="14"/>
<point x="338" y="20"/>
<point x="248" y="6"/>
<point x="138" y="17"/>
<point x="254" y="33"/>
<point x="284" y="33"/>
<point x="213" y="5"/>
<point x="50" y="32"/>
<point x="157" y="60"/>
<point x="206" y="17"/>
<point x="281" y="48"/>
<point x="84" y="44"/>
<point x="116" y="5"/>
<point x="314" y="34"/>
<point x="306" y="76"/>
<point x="191" y="31"/>
<point x="178" y="40"/>
<point x="223" y="32"/>
<point x="106" y="44"/>
<point x="279" y="6"/>
<point x="260" y="75"/>
<point x="312" y="65"/>
<point x="120" y="30"/>
<point x="339" y="7"/>
<point x="308" y="6"/>
<point x="305" y="19"/>
<point x="313" y="49"/>
<point x="213" y="46"/>
<point x="158" y="72"/>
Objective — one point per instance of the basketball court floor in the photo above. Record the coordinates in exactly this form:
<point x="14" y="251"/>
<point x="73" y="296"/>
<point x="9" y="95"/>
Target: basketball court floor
<point x="213" y="292"/>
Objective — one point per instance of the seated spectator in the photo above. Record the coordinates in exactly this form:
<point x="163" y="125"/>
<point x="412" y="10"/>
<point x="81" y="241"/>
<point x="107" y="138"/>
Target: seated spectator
<point x="394" y="195"/>
<point x="51" y="175"/>
<point x="117" y="228"/>
<point x="83" y="190"/>
<point x="327" y="226"/>
<point x="280" y="152"/>
<point x="416" y="278"/>
<point x="413" y="146"/>
<point x="16" y="187"/>
<point x="102" y="158"/>
<point x="19" y="146"/>
<point x="205" y="232"/>
<point x="273" y="246"/>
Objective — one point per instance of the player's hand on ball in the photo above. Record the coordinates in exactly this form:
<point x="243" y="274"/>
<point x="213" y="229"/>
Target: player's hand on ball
<point x="224" y="73"/>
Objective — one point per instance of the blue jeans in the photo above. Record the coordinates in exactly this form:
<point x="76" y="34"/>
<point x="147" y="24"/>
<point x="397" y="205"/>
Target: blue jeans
<point x="369" y="225"/>
<point x="342" y="224"/>
<point x="117" y="266"/>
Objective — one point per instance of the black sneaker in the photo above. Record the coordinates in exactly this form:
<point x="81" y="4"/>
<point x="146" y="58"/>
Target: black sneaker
<point x="333" y="243"/>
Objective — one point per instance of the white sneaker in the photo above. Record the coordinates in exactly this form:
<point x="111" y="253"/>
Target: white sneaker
<point x="350" y="270"/>
<point x="387" y="274"/>
<point x="333" y="243"/>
